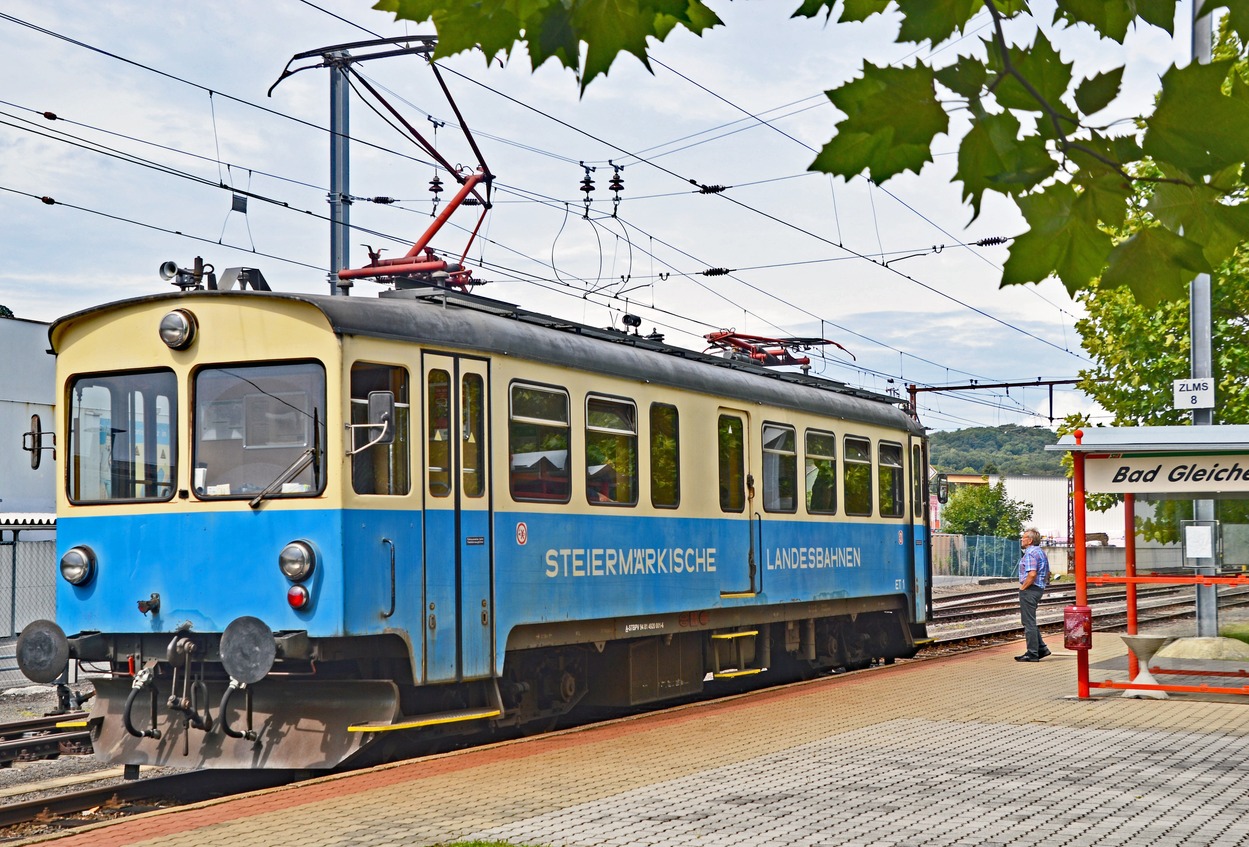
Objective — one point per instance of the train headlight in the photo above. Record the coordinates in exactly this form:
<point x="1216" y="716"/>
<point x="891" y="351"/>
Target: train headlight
<point x="297" y="560"/>
<point x="177" y="329"/>
<point x="78" y="565"/>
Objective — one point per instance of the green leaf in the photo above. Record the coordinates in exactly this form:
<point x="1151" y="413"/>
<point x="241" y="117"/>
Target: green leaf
<point x="967" y="76"/>
<point x="935" y="20"/>
<point x="892" y="116"/>
<point x="1045" y="71"/>
<point x="1238" y="18"/>
<point x="861" y="10"/>
<point x="1204" y="219"/>
<point x="553" y="36"/>
<point x="994" y="157"/>
<point x="1196" y="127"/>
<point x="1105" y="196"/>
<point x="1156" y="264"/>
<point x="1063" y="239"/>
<point x="1098" y="92"/>
<point x="608" y="28"/>
<point x="1111" y="18"/>
<point x="813" y="9"/>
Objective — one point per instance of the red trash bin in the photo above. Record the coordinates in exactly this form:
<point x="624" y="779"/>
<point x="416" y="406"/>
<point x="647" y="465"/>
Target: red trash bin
<point x="1078" y="628"/>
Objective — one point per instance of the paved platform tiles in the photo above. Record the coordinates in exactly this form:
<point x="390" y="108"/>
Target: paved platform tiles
<point x="975" y="749"/>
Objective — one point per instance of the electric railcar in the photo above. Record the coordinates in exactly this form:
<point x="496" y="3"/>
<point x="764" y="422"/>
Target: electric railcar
<point x="296" y="530"/>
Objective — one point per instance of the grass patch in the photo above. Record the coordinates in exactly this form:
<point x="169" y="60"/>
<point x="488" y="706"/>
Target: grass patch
<point x="1239" y="631"/>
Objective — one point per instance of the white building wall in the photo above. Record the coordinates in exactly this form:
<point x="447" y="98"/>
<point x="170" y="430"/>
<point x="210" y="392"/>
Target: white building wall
<point x="27" y="387"/>
<point x="1048" y="497"/>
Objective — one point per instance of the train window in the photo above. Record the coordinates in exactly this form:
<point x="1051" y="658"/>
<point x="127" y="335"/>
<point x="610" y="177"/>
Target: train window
<point x="260" y="430"/>
<point x="821" y="472"/>
<point x="918" y="477"/>
<point x="438" y="432"/>
<point x="731" y="447"/>
<point x="383" y="468"/>
<point x="611" y="451"/>
<point x="473" y="450"/>
<point x="122" y="437"/>
<point x="538" y="433"/>
<point x="857" y="476"/>
<point x="780" y="468"/>
<point x="665" y="457"/>
<point x="892" y="481"/>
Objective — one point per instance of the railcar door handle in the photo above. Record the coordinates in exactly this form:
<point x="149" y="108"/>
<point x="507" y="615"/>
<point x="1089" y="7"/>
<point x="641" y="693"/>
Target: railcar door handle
<point x="391" y="545"/>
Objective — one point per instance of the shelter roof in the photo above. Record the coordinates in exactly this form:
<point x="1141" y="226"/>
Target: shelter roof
<point x="1158" y="439"/>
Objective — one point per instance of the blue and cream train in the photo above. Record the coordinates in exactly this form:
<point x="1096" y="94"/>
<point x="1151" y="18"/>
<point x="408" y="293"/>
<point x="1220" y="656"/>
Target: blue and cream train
<point x="297" y="530"/>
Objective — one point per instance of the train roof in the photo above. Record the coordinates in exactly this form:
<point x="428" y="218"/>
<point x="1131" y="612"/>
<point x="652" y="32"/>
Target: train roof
<point x="462" y="320"/>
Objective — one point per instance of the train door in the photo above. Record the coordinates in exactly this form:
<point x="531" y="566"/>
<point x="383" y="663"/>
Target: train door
<point x="917" y="536"/>
<point x="459" y="599"/>
<point x="740" y="570"/>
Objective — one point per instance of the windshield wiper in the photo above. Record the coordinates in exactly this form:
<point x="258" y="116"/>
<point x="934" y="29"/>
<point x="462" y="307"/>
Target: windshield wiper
<point x="301" y="463"/>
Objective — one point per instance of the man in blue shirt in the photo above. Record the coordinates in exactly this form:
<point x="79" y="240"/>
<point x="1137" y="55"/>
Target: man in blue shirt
<point x="1034" y="575"/>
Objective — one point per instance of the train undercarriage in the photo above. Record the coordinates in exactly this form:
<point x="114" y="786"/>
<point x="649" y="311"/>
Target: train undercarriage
<point x="344" y="702"/>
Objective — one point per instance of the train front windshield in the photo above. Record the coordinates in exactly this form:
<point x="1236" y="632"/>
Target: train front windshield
<point x="122" y="444"/>
<point x="259" y="430"/>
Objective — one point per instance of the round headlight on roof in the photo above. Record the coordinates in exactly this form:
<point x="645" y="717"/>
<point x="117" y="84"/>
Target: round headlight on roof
<point x="78" y="565"/>
<point x="297" y="560"/>
<point x="177" y="329"/>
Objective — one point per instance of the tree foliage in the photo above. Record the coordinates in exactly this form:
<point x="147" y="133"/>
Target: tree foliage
<point x="1007" y="449"/>
<point x="1139" y="350"/>
<point x="1034" y="134"/>
<point x="984" y="510"/>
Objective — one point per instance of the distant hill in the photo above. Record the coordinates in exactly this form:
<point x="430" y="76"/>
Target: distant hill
<point x="1007" y="449"/>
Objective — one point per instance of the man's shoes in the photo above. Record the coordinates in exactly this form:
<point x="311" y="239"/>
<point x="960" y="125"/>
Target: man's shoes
<point x="1028" y="657"/>
<point x="1045" y="651"/>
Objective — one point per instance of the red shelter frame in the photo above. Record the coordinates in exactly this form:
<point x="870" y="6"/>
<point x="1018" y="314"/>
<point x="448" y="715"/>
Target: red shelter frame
<point x="1172" y="461"/>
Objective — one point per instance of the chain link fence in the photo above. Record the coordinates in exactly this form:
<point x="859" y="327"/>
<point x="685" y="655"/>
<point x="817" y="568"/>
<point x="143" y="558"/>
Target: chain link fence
<point x="27" y="593"/>
<point x="975" y="555"/>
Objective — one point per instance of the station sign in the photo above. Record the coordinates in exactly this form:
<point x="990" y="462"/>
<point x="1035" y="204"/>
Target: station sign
<point x="1194" y="393"/>
<point x="1167" y="474"/>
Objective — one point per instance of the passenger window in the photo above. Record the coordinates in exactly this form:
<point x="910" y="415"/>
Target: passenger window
<point x="538" y="432"/>
<point x="383" y="468"/>
<point x="821" y="473"/>
<point x="611" y="452"/>
<point x="892" y="481"/>
<point x="731" y="447"/>
<point x="780" y="468"/>
<point x="857" y="479"/>
<point x="665" y="457"/>
<point x="473" y="400"/>
<point x="919" y="476"/>
<point x="438" y="432"/>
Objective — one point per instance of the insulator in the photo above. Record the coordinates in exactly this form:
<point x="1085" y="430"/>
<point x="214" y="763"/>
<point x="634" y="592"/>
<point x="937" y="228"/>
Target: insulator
<point x="435" y="185"/>
<point x="587" y="185"/>
<point x="384" y="201"/>
<point x="712" y="189"/>
<point x="616" y="184"/>
<point x="991" y="242"/>
<point x="716" y="272"/>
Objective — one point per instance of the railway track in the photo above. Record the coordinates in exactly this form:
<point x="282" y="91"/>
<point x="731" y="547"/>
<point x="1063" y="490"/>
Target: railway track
<point x="43" y="738"/>
<point x="43" y="812"/>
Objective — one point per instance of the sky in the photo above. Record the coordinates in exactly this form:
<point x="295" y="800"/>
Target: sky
<point x="161" y="114"/>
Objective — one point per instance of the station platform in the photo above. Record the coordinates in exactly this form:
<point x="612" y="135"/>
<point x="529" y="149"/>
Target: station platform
<point x="972" y="749"/>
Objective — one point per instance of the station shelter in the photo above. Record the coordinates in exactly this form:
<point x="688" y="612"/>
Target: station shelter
<point x="1189" y="463"/>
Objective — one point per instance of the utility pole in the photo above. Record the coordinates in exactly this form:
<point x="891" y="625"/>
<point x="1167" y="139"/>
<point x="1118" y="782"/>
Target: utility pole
<point x="340" y="177"/>
<point x="1202" y="363"/>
